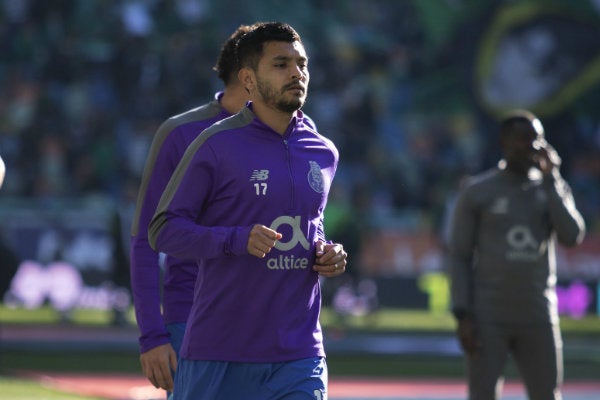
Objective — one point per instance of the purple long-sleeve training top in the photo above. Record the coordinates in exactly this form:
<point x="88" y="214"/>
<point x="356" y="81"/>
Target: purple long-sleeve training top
<point x="238" y="173"/>
<point x="169" y="144"/>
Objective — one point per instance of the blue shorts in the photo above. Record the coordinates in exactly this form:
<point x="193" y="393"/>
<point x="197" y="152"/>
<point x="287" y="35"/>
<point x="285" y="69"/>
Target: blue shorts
<point x="176" y="330"/>
<point x="304" y="379"/>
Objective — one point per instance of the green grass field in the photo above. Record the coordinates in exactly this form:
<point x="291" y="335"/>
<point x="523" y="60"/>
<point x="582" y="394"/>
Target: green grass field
<point x="382" y="321"/>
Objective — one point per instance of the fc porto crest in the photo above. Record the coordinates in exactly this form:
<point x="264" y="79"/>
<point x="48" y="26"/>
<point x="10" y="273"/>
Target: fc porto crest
<point x="315" y="177"/>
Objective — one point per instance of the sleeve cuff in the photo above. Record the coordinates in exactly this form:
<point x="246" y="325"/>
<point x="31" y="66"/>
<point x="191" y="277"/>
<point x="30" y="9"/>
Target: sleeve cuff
<point x="239" y="241"/>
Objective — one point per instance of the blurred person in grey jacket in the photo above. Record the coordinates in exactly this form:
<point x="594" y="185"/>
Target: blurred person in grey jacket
<point x="9" y="261"/>
<point x="503" y="234"/>
<point x="2" y="171"/>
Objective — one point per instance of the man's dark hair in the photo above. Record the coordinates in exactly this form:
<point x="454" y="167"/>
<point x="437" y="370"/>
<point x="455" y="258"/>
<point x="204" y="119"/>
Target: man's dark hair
<point x="250" y="45"/>
<point x="227" y="65"/>
<point x="514" y="117"/>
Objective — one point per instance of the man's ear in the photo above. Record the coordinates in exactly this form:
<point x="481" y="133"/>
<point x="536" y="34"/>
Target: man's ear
<point x="247" y="78"/>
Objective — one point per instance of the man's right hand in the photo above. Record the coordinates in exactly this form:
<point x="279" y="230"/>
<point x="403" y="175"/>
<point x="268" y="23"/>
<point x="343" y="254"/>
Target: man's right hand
<point x="468" y="336"/>
<point x="158" y="364"/>
<point x="262" y="239"/>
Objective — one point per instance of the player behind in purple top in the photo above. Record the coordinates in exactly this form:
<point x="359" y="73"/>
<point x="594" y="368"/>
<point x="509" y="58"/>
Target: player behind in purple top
<point x="503" y="262"/>
<point x="247" y="203"/>
<point x="161" y="333"/>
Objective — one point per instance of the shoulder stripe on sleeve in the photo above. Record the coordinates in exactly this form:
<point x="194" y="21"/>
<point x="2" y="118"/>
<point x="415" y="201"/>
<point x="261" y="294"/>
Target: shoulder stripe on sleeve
<point x="201" y="113"/>
<point x="236" y="121"/>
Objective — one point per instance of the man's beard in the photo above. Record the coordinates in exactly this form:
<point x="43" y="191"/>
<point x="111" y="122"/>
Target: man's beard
<point x="278" y="101"/>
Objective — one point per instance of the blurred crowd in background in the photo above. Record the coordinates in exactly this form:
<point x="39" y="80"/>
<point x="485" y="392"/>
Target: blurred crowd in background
<point x="400" y="86"/>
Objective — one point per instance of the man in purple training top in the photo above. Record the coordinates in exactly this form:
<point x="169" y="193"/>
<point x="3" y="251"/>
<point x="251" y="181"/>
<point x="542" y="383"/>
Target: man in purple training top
<point x="246" y="202"/>
<point x="161" y="336"/>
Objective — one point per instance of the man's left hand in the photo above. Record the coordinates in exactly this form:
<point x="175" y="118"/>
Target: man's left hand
<point x="331" y="259"/>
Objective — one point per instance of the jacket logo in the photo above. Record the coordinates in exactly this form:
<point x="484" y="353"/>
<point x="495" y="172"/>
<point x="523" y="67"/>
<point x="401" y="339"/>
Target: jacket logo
<point x="260" y="188"/>
<point x="523" y="245"/>
<point x="315" y="177"/>
<point x="289" y="261"/>
<point x="297" y="236"/>
<point x="500" y="206"/>
<point x="259" y="175"/>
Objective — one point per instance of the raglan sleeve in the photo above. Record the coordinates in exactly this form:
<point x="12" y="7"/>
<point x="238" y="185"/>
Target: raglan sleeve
<point x="174" y="229"/>
<point x="144" y="261"/>
<point x="330" y="172"/>
<point x="461" y="247"/>
<point x="566" y="220"/>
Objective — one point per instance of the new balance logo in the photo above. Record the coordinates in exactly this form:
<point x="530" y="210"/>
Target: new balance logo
<point x="259" y="175"/>
<point x="500" y="206"/>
